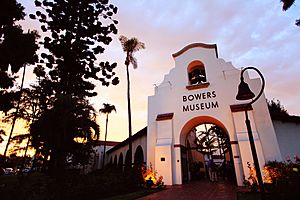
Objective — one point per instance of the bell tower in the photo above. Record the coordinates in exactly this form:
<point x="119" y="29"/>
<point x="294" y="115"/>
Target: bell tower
<point x="201" y="89"/>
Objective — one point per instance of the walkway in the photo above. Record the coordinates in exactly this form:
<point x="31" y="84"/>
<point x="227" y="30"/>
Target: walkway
<point x="196" y="190"/>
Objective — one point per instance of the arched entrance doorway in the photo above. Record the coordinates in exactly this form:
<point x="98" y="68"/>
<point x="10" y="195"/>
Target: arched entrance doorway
<point x="204" y="141"/>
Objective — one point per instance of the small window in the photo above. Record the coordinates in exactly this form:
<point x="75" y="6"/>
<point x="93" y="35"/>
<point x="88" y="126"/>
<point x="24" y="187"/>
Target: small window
<point x="196" y="73"/>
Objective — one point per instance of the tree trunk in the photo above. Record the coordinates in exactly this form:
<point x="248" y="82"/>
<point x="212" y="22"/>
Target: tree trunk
<point x="129" y="121"/>
<point x="15" y="117"/>
<point x="24" y="156"/>
<point x="104" y="148"/>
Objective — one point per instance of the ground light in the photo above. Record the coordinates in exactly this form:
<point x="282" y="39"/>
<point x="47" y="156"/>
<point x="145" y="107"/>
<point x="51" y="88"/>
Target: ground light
<point x="244" y="93"/>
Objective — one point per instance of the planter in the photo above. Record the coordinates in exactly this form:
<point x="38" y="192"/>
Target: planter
<point x="149" y="183"/>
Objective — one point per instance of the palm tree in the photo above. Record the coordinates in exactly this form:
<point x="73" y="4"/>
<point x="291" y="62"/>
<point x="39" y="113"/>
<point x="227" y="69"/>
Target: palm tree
<point x="130" y="46"/>
<point x="107" y="109"/>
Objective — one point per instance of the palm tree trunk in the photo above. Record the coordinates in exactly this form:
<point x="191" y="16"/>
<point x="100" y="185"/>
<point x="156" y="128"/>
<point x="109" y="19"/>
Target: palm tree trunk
<point x="16" y="113"/>
<point x="104" y="148"/>
<point x="129" y="120"/>
<point x="24" y="156"/>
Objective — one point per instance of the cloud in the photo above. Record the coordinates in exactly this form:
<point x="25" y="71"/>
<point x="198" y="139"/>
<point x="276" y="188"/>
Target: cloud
<point x="248" y="33"/>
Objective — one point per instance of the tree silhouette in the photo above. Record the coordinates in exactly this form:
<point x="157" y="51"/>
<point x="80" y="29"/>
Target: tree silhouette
<point x="75" y="33"/>
<point x="276" y="109"/>
<point x="286" y="4"/>
<point x="58" y="128"/>
<point x="17" y="49"/>
<point x="130" y="46"/>
<point x="107" y="109"/>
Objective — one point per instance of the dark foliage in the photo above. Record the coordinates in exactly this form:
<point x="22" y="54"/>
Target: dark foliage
<point x="77" y="32"/>
<point x="297" y="22"/>
<point x="285" y="180"/>
<point x="286" y="4"/>
<point x="2" y="133"/>
<point x="76" y="36"/>
<point x="276" y="109"/>
<point x="17" y="49"/>
<point x="99" y="185"/>
<point x="68" y="119"/>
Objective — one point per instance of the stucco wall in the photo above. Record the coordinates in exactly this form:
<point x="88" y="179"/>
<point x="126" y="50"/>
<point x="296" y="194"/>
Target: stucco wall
<point x="288" y="136"/>
<point x="173" y="96"/>
<point x="141" y="141"/>
<point x="99" y="155"/>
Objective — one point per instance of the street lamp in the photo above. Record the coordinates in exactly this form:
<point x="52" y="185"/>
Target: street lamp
<point x="244" y="93"/>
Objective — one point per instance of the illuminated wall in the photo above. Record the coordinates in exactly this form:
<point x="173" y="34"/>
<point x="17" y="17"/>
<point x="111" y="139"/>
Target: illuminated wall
<point x="186" y="99"/>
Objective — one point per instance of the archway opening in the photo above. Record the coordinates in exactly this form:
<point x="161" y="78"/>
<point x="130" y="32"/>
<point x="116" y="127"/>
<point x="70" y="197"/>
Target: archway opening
<point x="205" y="143"/>
<point x="127" y="163"/>
<point x="115" y="161"/>
<point x="138" y="165"/>
<point x="138" y="156"/>
<point x="120" y="163"/>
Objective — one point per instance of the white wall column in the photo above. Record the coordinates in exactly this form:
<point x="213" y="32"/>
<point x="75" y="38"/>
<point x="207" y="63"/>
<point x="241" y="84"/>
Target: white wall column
<point x="178" y="164"/>
<point x="244" y="144"/>
<point x="237" y="162"/>
<point x="163" y="147"/>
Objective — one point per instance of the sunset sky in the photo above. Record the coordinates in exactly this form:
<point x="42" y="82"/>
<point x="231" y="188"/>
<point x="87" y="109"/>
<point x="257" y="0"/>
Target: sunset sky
<point x="247" y="33"/>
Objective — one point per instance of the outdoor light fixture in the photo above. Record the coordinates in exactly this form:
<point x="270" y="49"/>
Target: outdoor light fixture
<point x="244" y="93"/>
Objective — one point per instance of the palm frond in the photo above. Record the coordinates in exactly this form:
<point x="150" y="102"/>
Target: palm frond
<point x="137" y="44"/>
<point x="107" y="108"/>
<point x="123" y="39"/>
<point x="134" y="62"/>
<point x="130" y="46"/>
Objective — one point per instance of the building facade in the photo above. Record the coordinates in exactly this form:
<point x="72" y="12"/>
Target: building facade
<point x="201" y="89"/>
<point x="194" y="116"/>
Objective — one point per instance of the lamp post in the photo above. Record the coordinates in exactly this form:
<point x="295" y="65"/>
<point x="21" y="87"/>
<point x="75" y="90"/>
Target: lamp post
<point x="244" y="93"/>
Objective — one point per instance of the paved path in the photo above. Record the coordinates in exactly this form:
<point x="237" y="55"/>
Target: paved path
<point x="196" y="190"/>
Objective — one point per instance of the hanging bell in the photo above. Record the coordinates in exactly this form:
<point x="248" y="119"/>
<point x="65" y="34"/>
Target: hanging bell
<point x="244" y="92"/>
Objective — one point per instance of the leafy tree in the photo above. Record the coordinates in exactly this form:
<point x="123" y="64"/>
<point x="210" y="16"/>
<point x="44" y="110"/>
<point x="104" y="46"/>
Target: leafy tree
<point x="107" y="109"/>
<point x="35" y="100"/>
<point x="58" y="130"/>
<point x="77" y="36"/>
<point x="276" y="109"/>
<point x="17" y="49"/>
<point x="286" y="4"/>
<point x="130" y="46"/>
<point x="76" y="32"/>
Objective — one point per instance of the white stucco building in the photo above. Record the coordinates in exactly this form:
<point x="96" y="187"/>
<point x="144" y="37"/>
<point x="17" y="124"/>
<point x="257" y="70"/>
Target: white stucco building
<point x="200" y="92"/>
